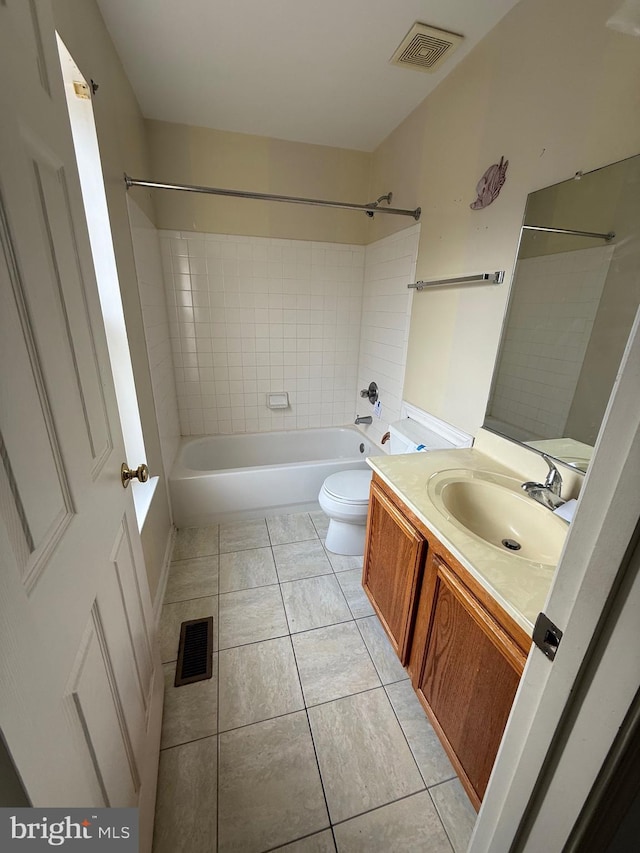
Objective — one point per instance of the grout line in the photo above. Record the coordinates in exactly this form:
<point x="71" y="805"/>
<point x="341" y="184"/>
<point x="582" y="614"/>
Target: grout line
<point x="306" y="712"/>
<point x="315" y="751"/>
<point x="397" y="681"/>
<point x="347" y="696"/>
<point x="294" y="541"/>
<point x="341" y="622"/>
<point x="286" y="615"/>
<point x="443" y="782"/>
<point x="266" y="524"/>
<point x="246" y="588"/>
<point x="381" y="806"/>
<point x="242" y="550"/>
<point x="263" y="586"/>
<point x="306" y="577"/>
<point x="404" y="734"/>
<point x="192" y="598"/>
<point x="384" y="687"/>
<point x="369" y="653"/>
<point x="254" y="642"/>
<point x="193" y="740"/>
<point x="195" y="557"/>
<point x="448" y="837"/>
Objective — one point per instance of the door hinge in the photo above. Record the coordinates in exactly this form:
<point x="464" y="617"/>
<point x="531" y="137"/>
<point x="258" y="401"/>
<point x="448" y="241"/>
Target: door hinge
<point x="546" y="636"/>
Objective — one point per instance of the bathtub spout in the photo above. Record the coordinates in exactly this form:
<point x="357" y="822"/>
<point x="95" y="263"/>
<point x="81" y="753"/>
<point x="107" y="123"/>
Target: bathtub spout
<point x="364" y="420"/>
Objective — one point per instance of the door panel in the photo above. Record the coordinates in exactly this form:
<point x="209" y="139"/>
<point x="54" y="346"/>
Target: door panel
<point x="78" y="708"/>
<point x="57" y="226"/>
<point x="126" y="638"/>
<point x="35" y="470"/>
<point x="100" y="716"/>
<point x="24" y="20"/>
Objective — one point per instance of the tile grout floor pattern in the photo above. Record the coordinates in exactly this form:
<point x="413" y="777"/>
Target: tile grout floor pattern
<point x="309" y="737"/>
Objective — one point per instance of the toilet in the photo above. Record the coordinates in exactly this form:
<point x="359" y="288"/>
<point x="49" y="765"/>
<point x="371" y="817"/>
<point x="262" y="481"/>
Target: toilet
<point x="344" y="496"/>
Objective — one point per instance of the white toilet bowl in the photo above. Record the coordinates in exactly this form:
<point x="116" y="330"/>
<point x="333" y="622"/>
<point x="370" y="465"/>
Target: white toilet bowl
<point x="344" y="497"/>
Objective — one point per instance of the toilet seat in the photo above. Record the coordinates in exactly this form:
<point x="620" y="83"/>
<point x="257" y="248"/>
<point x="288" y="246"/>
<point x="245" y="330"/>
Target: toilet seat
<point x="348" y="487"/>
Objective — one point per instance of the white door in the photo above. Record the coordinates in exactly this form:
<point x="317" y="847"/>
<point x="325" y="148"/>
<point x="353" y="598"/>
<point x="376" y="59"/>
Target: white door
<point x="567" y="713"/>
<point x="78" y="707"/>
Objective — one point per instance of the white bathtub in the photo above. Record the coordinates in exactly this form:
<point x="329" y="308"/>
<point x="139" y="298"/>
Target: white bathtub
<point x="228" y="477"/>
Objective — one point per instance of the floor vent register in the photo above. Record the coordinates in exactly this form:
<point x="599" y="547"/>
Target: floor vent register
<point x="195" y="651"/>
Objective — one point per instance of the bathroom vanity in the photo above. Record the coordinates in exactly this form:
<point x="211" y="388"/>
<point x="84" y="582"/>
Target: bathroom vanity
<point x="458" y="611"/>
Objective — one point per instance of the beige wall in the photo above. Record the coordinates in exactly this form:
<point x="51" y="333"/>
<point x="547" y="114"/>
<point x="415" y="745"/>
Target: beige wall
<point x="554" y="91"/>
<point x="197" y="155"/>
<point x="122" y="140"/>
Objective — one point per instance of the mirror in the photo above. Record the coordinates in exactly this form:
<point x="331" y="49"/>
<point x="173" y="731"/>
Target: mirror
<point x="572" y="304"/>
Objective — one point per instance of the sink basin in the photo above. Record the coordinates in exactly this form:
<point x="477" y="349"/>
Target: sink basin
<point x="493" y="508"/>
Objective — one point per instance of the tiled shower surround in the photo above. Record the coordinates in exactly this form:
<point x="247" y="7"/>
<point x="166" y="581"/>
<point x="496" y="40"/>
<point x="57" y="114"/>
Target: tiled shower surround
<point x="390" y="264"/>
<point x="253" y="315"/>
<point x="250" y="315"/>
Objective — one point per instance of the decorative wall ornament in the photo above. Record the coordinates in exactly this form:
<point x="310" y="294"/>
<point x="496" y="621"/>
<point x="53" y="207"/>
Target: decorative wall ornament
<point x="490" y="184"/>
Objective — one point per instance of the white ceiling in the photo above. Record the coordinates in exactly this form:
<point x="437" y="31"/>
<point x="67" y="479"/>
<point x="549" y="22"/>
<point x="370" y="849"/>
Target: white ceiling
<point x="291" y="69"/>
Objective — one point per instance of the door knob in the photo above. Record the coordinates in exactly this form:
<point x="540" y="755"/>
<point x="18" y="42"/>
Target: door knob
<point x="127" y="474"/>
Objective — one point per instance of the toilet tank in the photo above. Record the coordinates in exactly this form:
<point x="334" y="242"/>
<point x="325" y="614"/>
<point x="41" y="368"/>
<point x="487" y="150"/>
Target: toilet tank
<point x="409" y="436"/>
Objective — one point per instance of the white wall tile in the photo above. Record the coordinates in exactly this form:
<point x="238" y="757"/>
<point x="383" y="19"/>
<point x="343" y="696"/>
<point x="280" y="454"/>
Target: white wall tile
<point x="386" y="311"/>
<point x="251" y="315"/>
<point x="261" y="307"/>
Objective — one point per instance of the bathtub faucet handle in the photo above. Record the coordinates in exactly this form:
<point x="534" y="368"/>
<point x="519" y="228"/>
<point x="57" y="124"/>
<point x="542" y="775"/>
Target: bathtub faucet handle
<point x="371" y="392"/>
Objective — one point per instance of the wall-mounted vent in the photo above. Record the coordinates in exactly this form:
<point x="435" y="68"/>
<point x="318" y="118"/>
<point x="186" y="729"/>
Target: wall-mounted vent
<point x="425" y="48"/>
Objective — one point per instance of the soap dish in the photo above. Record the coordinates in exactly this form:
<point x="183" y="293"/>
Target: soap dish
<point x="278" y="400"/>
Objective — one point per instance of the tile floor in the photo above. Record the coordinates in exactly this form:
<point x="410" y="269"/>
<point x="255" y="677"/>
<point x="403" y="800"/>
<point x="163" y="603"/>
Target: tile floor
<point x="309" y="737"/>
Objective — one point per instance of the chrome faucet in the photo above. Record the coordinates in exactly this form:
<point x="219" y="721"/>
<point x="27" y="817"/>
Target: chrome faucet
<point x="364" y="420"/>
<point x="547" y="493"/>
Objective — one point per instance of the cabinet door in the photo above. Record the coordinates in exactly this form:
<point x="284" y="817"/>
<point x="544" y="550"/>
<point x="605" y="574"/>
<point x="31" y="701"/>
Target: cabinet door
<point x="470" y="672"/>
<point x="393" y="561"/>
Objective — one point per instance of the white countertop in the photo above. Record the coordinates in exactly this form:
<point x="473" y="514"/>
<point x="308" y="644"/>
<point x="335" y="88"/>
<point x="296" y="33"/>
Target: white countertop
<point x="519" y="585"/>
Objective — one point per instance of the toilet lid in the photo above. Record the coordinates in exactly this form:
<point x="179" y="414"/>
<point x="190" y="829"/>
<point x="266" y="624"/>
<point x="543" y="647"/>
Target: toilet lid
<point x="349" y="486"/>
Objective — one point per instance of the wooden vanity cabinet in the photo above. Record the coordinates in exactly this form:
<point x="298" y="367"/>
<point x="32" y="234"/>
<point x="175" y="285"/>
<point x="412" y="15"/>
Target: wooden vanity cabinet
<point x="466" y="670"/>
<point x="463" y="652"/>
<point x="392" y="567"/>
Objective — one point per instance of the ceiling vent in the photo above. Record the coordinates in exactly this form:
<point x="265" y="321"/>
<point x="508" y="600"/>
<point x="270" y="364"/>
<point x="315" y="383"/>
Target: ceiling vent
<point x="425" y="48"/>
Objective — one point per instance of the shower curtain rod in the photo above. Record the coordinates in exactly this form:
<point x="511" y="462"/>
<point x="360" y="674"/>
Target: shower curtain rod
<point x="369" y="209"/>
<point x="606" y="237"/>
